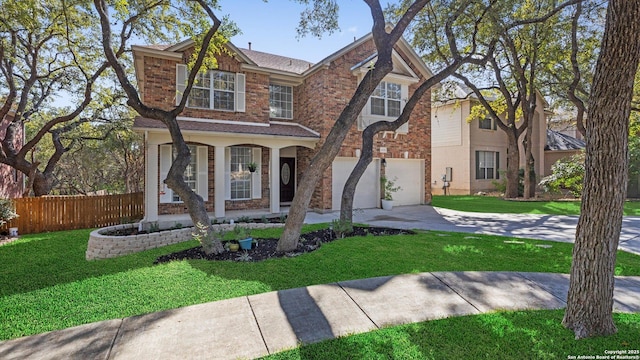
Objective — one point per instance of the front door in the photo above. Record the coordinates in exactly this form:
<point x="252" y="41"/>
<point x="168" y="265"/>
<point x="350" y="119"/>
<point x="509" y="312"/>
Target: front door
<point x="287" y="179"/>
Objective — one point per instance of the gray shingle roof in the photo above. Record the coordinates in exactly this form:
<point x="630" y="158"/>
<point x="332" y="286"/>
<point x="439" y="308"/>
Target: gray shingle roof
<point x="277" y="62"/>
<point x="273" y="129"/>
<point x="559" y="141"/>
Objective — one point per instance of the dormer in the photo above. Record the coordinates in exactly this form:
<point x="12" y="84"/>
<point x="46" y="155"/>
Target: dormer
<point x="390" y="96"/>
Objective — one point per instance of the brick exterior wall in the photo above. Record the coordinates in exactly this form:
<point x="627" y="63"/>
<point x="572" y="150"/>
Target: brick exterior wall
<point x="318" y="102"/>
<point x="263" y="202"/>
<point x="336" y="85"/>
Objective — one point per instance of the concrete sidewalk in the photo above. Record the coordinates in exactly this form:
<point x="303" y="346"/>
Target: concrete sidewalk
<point x="257" y="325"/>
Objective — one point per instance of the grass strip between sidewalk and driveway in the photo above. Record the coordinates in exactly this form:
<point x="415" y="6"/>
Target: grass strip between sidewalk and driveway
<point x="493" y="204"/>
<point x="46" y="283"/>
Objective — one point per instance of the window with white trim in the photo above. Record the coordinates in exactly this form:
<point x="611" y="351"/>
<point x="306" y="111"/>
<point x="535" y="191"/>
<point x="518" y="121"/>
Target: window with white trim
<point x="190" y="173"/>
<point x="223" y="90"/>
<point x="196" y="173"/>
<point x="214" y="89"/>
<point x="386" y="103"/>
<point x="281" y="101"/>
<point x="487" y="163"/>
<point x="240" y="175"/>
<point x="386" y="99"/>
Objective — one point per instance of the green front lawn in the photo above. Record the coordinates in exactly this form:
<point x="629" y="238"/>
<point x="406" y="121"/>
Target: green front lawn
<point x="46" y="283"/>
<point x="505" y="335"/>
<point x="491" y="204"/>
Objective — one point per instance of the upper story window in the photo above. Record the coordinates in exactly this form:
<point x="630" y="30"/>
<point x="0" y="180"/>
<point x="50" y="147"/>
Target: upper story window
<point x="386" y="99"/>
<point x="213" y="89"/>
<point x="280" y="101"/>
<point x="487" y="124"/>
<point x="386" y="104"/>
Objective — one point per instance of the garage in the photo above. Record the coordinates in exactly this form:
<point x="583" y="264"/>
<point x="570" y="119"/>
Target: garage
<point x="409" y="175"/>
<point x="368" y="190"/>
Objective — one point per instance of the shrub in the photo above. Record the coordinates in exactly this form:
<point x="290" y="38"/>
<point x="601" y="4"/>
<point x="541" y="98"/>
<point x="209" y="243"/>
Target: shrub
<point x="501" y="185"/>
<point x="566" y="174"/>
<point x="7" y="211"/>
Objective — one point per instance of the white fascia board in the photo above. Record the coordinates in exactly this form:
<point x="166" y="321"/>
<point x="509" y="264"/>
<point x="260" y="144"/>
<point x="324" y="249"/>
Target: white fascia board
<point x="156" y="53"/>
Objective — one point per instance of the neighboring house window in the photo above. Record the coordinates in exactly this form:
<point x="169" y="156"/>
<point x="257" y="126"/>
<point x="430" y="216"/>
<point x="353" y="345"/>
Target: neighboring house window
<point x="240" y="175"/>
<point x="487" y="163"/>
<point x="281" y="101"/>
<point x="190" y="173"/>
<point x="487" y="124"/>
<point x="217" y="90"/>
<point x="386" y="99"/>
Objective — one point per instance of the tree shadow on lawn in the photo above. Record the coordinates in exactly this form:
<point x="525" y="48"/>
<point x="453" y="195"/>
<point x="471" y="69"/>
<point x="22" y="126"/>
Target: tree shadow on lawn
<point x="40" y="261"/>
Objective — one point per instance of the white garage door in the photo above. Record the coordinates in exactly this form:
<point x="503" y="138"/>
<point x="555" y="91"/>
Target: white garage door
<point x="368" y="190"/>
<point x="409" y="175"/>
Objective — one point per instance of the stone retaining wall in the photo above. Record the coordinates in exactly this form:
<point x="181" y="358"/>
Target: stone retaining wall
<point x="109" y="246"/>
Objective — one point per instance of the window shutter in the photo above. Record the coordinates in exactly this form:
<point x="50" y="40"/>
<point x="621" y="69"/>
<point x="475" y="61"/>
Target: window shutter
<point x="203" y="171"/>
<point x="256" y="177"/>
<point x="166" y="159"/>
<point x="227" y="173"/>
<point x="240" y="92"/>
<point x="181" y="81"/>
<point x="497" y="165"/>
<point x="478" y="175"/>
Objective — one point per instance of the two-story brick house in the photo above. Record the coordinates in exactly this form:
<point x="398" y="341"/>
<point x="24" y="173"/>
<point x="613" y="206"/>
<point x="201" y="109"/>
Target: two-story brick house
<point x="275" y="112"/>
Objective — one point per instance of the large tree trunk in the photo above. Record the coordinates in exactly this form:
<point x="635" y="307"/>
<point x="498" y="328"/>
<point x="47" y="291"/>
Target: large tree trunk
<point x="175" y="180"/>
<point x="590" y="298"/>
<point x="529" y="167"/>
<point x="513" y="159"/>
<point x="329" y="150"/>
<point x="384" y="42"/>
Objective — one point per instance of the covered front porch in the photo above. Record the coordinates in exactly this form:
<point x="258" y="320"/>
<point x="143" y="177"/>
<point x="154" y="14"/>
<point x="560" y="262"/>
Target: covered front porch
<point x="221" y="154"/>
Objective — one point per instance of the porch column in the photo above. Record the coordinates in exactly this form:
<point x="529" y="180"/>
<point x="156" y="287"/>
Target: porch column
<point x="219" y="181"/>
<point x="275" y="180"/>
<point x="151" y="183"/>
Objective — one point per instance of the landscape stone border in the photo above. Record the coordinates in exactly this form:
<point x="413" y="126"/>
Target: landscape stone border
<point x="103" y="246"/>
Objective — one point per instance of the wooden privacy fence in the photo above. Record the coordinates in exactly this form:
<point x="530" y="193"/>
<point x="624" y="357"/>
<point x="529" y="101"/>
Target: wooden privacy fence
<point x="56" y="213"/>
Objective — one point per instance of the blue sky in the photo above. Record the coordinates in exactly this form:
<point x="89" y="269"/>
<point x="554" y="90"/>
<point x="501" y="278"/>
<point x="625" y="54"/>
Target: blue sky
<point x="271" y="27"/>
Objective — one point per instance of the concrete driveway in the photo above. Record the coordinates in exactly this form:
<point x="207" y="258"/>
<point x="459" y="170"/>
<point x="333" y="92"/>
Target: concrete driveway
<point x="544" y="227"/>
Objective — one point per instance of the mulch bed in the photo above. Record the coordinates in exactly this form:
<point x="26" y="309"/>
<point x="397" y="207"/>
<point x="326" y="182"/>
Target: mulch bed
<point x="266" y="248"/>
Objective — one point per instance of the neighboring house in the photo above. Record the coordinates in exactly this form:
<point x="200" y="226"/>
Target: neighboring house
<point x="11" y="180"/>
<point x="560" y="146"/>
<point x="470" y="156"/>
<point x="276" y="112"/>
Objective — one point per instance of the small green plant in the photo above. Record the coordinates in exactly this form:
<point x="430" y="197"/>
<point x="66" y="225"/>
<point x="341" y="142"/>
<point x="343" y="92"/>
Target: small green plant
<point x="206" y="237"/>
<point x="243" y="219"/>
<point x="154" y="227"/>
<point x="264" y="219"/>
<point x="7" y="211"/>
<point x="241" y="232"/>
<point x="252" y="167"/>
<point x="341" y="228"/>
<point x="389" y="187"/>
<point x="283" y="217"/>
<point x="177" y="226"/>
<point x="244" y="256"/>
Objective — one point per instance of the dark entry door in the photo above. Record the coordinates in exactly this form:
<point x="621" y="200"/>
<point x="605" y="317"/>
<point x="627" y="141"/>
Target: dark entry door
<point x="287" y="179"/>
